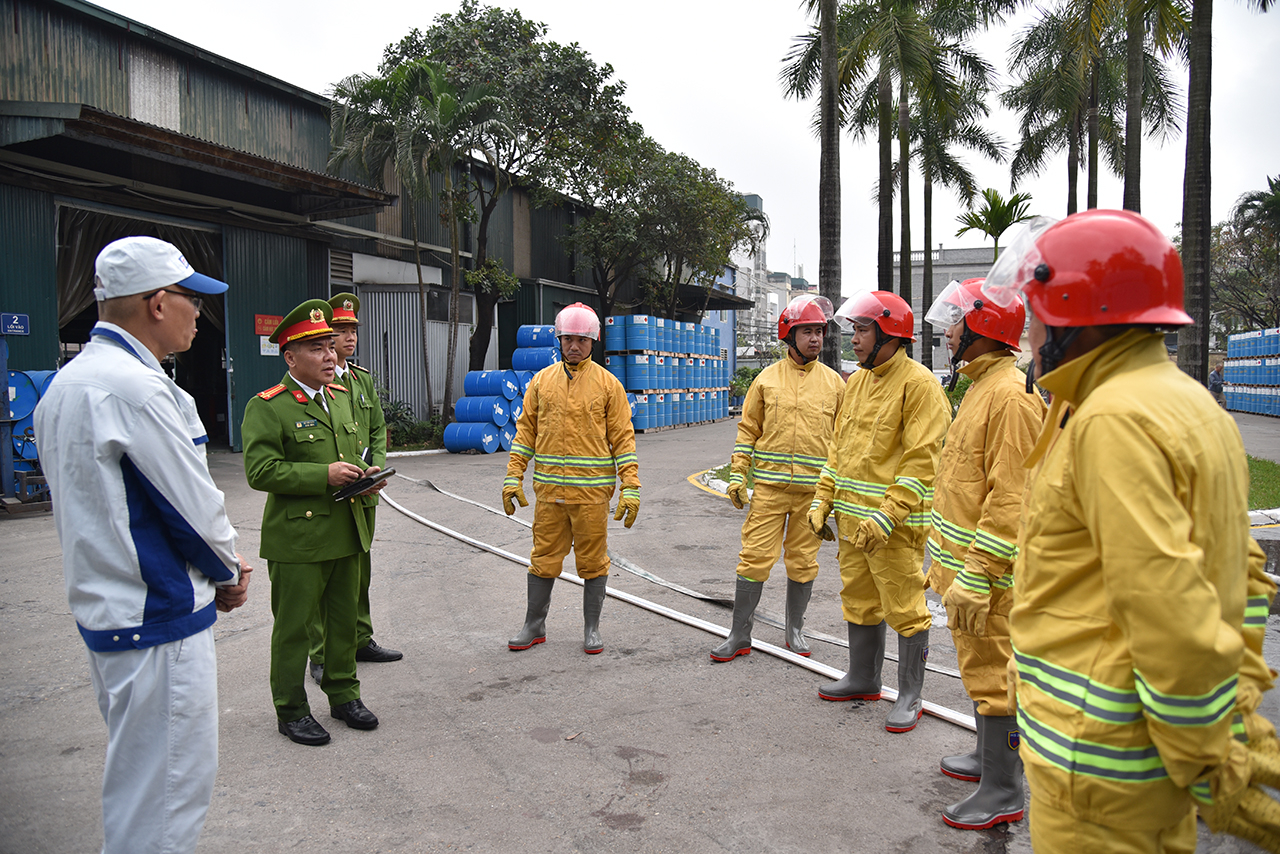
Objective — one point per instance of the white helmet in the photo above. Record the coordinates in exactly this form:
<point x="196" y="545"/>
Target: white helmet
<point x="578" y="319"/>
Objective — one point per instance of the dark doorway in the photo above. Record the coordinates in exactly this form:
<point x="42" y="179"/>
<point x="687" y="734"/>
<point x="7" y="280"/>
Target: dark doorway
<point x="202" y="370"/>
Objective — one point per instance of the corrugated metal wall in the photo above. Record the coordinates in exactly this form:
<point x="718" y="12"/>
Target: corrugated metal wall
<point x="267" y="274"/>
<point x="28" y="274"/>
<point x="49" y="54"/>
<point x="391" y="345"/>
<point x="550" y="258"/>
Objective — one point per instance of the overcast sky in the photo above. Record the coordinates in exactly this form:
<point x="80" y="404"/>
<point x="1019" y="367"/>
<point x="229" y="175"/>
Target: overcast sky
<point x="702" y="77"/>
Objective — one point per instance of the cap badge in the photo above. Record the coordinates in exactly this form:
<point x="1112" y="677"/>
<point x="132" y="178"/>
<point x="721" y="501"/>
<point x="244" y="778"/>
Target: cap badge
<point x="317" y="316"/>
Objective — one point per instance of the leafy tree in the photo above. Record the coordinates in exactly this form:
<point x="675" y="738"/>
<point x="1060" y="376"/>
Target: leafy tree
<point x="996" y="216"/>
<point x="1193" y="341"/>
<point x="547" y="90"/>
<point x="1158" y="27"/>
<point x="440" y="131"/>
<point x="1244" y="278"/>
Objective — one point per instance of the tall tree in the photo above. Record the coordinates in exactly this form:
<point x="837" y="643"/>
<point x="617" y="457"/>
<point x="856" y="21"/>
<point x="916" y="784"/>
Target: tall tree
<point x="996" y="216"/>
<point x="440" y="132"/>
<point x="829" y="266"/>
<point x="367" y="118"/>
<point x="1193" y="341"/>
<point x="548" y="90"/>
<point x="1159" y="27"/>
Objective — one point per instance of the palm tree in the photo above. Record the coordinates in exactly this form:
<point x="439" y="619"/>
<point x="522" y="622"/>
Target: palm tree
<point x="1261" y="208"/>
<point x="1162" y="28"/>
<point x="996" y="216"/>
<point x="440" y="131"/>
<point x="1197" y="226"/>
<point x="366" y="115"/>
<point x="936" y="129"/>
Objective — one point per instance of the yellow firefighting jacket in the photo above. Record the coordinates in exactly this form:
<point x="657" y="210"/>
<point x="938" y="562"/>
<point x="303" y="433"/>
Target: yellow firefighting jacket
<point x="788" y="418"/>
<point x="884" y="453"/>
<point x="576" y="427"/>
<point x="1133" y="579"/>
<point x="978" y="499"/>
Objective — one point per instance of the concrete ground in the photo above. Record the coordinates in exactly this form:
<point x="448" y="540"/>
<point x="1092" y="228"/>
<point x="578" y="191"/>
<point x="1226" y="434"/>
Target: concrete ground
<point x="648" y="747"/>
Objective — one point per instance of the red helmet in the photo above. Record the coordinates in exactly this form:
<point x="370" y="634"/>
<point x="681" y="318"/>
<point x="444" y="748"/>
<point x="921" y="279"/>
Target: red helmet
<point x="804" y="310"/>
<point x="890" y="312"/>
<point x="965" y="301"/>
<point x="578" y="319"/>
<point x="1094" y="268"/>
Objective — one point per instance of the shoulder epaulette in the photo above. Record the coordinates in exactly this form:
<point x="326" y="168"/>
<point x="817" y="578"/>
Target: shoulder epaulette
<point x="358" y="368"/>
<point x="338" y="387"/>
<point x="271" y="392"/>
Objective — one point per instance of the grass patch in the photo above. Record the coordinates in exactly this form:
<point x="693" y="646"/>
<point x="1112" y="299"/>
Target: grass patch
<point x="1264" y="484"/>
<point x="724" y="471"/>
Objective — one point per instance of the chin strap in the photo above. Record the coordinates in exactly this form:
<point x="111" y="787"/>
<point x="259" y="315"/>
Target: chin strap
<point x="966" y="341"/>
<point x="1057" y="340"/>
<point x="881" y="340"/>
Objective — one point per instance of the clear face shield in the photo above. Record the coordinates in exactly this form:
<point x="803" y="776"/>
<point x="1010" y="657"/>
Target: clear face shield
<point x="948" y="309"/>
<point x="1016" y="267"/>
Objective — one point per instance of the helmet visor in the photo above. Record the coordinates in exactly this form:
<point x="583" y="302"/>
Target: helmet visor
<point x="948" y="309"/>
<point x="860" y="310"/>
<point x="1016" y="267"/>
<point x="808" y="308"/>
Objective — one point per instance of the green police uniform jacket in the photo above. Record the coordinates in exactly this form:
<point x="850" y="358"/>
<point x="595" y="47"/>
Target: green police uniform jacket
<point x="371" y="424"/>
<point x="289" y="442"/>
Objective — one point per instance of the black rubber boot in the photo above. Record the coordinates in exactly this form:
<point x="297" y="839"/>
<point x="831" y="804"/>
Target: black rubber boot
<point x="966" y="766"/>
<point x="912" y="654"/>
<point x="866" y="658"/>
<point x="797" y="603"/>
<point x="999" y="796"/>
<point x="745" y="599"/>
<point x="535" y="619"/>
<point x="592" y="603"/>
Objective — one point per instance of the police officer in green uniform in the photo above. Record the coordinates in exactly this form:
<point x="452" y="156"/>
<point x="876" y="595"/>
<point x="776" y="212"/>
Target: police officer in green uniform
<point x="301" y="444"/>
<point x="372" y="430"/>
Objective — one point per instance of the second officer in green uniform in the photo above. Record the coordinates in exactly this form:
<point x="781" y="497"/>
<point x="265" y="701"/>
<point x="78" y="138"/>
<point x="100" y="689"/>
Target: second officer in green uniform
<point x="301" y="444"/>
<point x="371" y="427"/>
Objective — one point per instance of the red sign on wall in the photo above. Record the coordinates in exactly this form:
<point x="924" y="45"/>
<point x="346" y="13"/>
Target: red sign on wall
<point x="265" y="324"/>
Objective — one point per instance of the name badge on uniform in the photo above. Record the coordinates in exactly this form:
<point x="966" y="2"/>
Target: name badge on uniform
<point x="310" y="422"/>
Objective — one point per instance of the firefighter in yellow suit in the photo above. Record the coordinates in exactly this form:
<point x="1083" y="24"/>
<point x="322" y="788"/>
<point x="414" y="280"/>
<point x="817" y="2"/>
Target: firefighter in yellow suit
<point x="787" y="420"/>
<point x="1137" y="583"/>
<point x="576" y="429"/>
<point x="973" y="540"/>
<point x="879" y="480"/>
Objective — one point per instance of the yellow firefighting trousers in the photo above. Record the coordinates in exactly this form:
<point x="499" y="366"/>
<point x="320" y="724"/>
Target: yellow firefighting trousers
<point x="559" y="527"/>
<point x="1056" y="832"/>
<point x="885" y="586"/>
<point x="778" y="522"/>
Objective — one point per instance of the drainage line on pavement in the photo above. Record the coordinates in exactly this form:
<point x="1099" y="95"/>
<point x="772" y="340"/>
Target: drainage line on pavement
<point x="627" y="566"/>
<point x="886" y="693"/>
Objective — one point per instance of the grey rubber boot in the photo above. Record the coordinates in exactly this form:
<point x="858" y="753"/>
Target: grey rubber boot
<point x="797" y="603"/>
<point x="592" y="602"/>
<point x="535" y="619"/>
<point x="966" y="766"/>
<point x="866" y="658"/>
<point x="912" y="654"/>
<point x="999" y="796"/>
<point x="745" y="599"/>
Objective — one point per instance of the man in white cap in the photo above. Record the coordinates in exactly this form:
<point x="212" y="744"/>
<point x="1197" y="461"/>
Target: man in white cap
<point x="148" y="553"/>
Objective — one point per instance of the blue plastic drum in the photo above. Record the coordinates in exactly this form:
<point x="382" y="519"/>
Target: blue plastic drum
<point x="506" y="436"/>
<point x="489" y="383"/>
<point x="534" y="359"/>
<point x="536" y="336"/>
<point x="526" y="377"/>
<point x="494" y="409"/>
<point x="461" y="436"/>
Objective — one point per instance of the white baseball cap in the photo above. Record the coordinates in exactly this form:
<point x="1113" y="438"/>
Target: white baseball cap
<point x="137" y="265"/>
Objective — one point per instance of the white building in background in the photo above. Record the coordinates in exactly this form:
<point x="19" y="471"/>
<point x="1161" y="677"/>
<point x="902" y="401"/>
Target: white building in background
<point x="758" y="326"/>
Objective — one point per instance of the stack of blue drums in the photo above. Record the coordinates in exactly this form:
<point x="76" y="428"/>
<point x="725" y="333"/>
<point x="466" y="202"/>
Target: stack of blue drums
<point x="673" y="368"/>
<point x="25" y="391"/>
<point x="1251" y="372"/>
<point x="483" y="415"/>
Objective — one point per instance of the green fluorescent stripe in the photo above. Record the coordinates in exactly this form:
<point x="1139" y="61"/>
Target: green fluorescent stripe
<point x="848" y="508"/>
<point x="745" y="449"/>
<point x="973" y="581"/>
<point x="1255" y="611"/>
<point x="859" y="487"/>
<point x="523" y="450"/>
<point x="950" y="530"/>
<point x="995" y="545"/>
<point x="1088" y="758"/>
<point x="944" y="557"/>
<point x="812" y="462"/>
<point x="1005" y="581"/>
<point x="1098" y="701"/>
<point x="1238" y="731"/>
<point x="1189" y="710"/>
<point x="631" y="493"/>
<point x="912" y="483"/>
<point x="882" y="520"/>
<point x="1202" y="792"/>
<point x="917" y="520"/>
<point x="737" y="478"/>
<point x="540" y="477"/>
<point x="511" y="481"/>
<point x="590" y="462"/>
<point x="625" y="458"/>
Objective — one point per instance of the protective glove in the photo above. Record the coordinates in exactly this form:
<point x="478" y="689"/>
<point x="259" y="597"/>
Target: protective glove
<point x="737" y="493"/>
<point x="1231" y="799"/>
<point x="511" y="493"/>
<point x="819" y="510"/>
<point x="628" y="505"/>
<point x="872" y="533"/>
<point x="968" y="602"/>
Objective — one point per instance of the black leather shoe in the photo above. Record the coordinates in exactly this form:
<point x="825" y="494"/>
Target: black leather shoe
<point x="306" y="730"/>
<point x="317" y="671"/>
<point x="355" y="714"/>
<point x="373" y="652"/>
